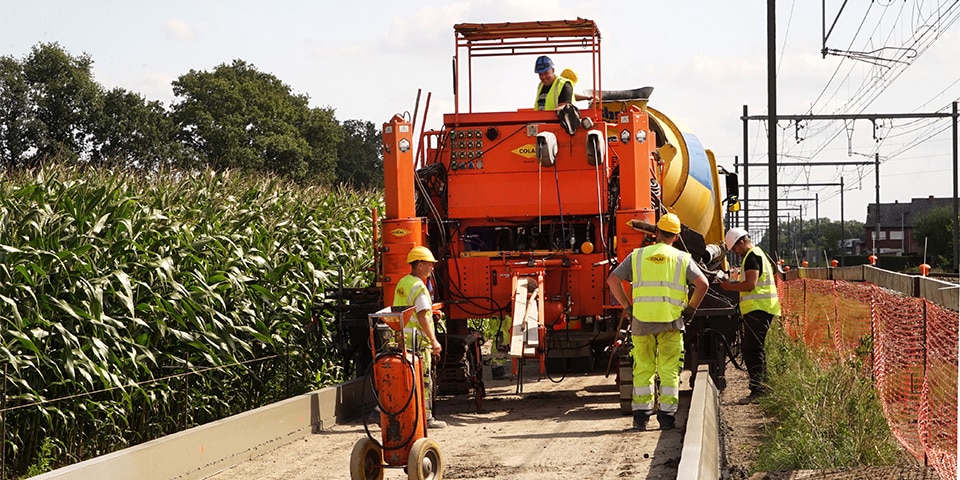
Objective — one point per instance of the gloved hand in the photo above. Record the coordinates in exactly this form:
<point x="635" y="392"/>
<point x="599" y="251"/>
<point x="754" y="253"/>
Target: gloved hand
<point x="688" y="313"/>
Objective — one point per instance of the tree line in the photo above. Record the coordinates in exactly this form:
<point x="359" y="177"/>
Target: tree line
<point x="232" y="117"/>
<point x="796" y="237"/>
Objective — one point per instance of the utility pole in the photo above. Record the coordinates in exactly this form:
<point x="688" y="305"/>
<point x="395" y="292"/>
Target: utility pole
<point x="817" y="196"/>
<point x="843" y="234"/>
<point x="746" y="173"/>
<point x="772" y="111"/>
<point x="876" y="243"/>
<point x="773" y="118"/>
<point x="956" y="209"/>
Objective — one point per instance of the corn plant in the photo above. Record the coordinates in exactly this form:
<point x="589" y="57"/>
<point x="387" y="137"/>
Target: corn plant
<point x="134" y="306"/>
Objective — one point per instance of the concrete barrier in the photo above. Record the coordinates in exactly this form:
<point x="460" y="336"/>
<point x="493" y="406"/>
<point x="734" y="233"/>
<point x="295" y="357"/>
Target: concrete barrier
<point x="905" y="284"/>
<point x="700" y="457"/>
<point x="850" y="274"/>
<point x="815" y="273"/>
<point x="942" y="293"/>
<point x="207" y="449"/>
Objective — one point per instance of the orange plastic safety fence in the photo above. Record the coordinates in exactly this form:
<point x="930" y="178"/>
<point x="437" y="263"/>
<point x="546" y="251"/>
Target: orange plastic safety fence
<point x="938" y="418"/>
<point x="854" y="319"/>
<point x="898" y="352"/>
<point x="914" y="356"/>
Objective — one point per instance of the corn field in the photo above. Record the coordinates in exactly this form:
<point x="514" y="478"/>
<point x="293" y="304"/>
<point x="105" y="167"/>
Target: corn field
<point x="135" y="306"/>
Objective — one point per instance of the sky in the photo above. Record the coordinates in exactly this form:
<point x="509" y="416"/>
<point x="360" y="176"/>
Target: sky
<point x="706" y="59"/>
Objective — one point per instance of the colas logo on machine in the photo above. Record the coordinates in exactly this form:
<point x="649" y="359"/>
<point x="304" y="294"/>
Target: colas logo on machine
<point x="400" y="232"/>
<point x="657" y="258"/>
<point x="526" y="151"/>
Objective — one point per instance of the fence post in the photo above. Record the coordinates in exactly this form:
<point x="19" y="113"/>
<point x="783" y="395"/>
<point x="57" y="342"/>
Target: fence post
<point x="873" y="334"/>
<point x="286" y="365"/>
<point x="3" y="426"/>
<point x="803" y="317"/>
<point x="186" y="392"/>
<point x="923" y="376"/>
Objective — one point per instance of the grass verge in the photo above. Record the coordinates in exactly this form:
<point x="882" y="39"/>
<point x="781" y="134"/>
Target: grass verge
<point x="826" y="411"/>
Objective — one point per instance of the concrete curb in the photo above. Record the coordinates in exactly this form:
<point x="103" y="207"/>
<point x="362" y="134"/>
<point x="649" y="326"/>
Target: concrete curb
<point x="204" y="450"/>
<point x="700" y="457"/>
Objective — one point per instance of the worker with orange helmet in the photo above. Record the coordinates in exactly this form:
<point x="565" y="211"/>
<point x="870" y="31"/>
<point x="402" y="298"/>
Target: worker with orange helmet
<point x="659" y="310"/>
<point x="419" y="332"/>
<point x="759" y="303"/>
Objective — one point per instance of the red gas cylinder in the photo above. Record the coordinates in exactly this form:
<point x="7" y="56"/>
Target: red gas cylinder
<point x="398" y="380"/>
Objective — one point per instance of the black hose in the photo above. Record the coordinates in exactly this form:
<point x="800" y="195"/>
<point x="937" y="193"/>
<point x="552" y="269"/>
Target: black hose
<point x="726" y="348"/>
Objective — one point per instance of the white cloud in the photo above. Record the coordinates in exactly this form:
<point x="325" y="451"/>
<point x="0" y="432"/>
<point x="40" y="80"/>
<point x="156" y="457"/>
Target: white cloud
<point x="178" y="29"/>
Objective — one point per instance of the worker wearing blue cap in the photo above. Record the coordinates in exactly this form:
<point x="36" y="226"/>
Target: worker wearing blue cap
<point x="554" y="90"/>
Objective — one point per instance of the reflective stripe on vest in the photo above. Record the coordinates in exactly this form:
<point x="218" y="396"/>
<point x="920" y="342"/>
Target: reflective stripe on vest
<point x="764" y="296"/>
<point x="552" y="95"/>
<point x="655" y="299"/>
<point x="408" y="289"/>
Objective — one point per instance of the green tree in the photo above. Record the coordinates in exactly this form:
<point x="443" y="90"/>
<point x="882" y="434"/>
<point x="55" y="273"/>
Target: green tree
<point x="936" y="227"/>
<point x="323" y="133"/>
<point x="48" y="103"/>
<point x="65" y="100"/>
<point x="15" y="113"/>
<point x="238" y="117"/>
<point x="360" y="160"/>
<point x="132" y="132"/>
<point x="823" y="235"/>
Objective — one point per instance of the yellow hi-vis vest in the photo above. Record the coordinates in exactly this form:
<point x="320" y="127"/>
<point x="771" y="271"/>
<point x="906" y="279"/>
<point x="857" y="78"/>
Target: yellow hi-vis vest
<point x="764" y="295"/>
<point x="405" y="295"/>
<point x="552" y="95"/>
<point x="659" y="283"/>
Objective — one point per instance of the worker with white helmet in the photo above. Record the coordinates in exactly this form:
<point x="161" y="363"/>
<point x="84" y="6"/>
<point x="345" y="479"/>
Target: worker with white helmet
<point x="412" y="291"/>
<point x="659" y="309"/>
<point x="759" y="303"/>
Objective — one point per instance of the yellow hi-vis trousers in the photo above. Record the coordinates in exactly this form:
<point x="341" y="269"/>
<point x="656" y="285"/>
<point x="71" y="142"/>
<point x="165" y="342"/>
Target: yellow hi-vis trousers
<point x="653" y="354"/>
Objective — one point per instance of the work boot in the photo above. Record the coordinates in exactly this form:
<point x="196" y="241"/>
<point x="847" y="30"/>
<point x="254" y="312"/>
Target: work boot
<point x="432" y="422"/>
<point x="640" y="419"/>
<point x="667" y="421"/>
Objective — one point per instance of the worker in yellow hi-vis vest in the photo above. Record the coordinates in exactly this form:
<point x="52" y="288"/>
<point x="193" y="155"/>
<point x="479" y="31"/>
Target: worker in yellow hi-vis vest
<point x="412" y="291"/>
<point x="759" y="303"/>
<point x="659" y="309"/>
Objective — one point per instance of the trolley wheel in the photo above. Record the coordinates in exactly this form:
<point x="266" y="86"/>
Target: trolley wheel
<point x="425" y="462"/>
<point x="366" y="461"/>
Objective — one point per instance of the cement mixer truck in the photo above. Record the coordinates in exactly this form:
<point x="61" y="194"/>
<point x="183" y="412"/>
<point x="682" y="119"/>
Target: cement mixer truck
<point x="528" y="211"/>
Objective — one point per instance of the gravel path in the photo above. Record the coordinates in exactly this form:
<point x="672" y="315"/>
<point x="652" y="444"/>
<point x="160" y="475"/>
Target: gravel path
<point x="570" y="429"/>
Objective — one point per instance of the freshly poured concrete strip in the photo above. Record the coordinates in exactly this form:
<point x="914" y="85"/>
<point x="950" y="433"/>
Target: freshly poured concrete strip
<point x="701" y="443"/>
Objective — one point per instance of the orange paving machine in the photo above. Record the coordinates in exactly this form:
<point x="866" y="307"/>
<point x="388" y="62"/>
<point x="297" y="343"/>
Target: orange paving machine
<point x="528" y="210"/>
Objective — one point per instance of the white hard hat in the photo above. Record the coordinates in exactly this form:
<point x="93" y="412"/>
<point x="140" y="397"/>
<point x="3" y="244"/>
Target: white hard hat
<point x="733" y="235"/>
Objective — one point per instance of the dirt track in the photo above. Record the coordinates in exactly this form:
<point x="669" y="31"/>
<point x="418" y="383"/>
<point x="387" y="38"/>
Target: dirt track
<point x="571" y="429"/>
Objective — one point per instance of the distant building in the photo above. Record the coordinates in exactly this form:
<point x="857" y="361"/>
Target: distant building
<point x="896" y="225"/>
